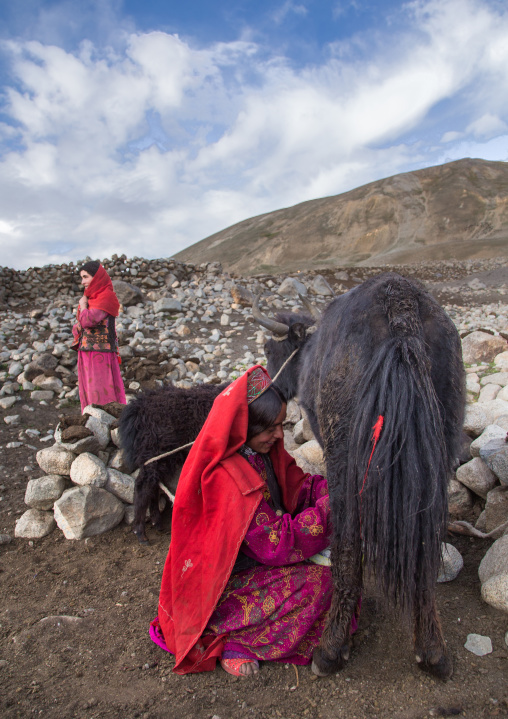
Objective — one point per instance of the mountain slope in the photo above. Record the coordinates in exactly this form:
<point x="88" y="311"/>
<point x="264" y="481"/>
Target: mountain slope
<point x="454" y="211"/>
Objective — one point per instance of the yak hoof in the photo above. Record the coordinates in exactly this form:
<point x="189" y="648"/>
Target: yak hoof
<point x="441" y="669"/>
<point x="323" y="665"/>
<point x="142" y="538"/>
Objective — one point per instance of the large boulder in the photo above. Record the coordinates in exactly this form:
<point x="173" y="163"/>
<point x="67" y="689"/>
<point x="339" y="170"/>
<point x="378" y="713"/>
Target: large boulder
<point x="495" y="592"/>
<point x="496" y="508"/>
<point x="290" y="287"/>
<point x="86" y="511"/>
<point x="127" y="294"/>
<point x="460" y="499"/>
<point x="481" y="347"/>
<point x="495" y="456"/>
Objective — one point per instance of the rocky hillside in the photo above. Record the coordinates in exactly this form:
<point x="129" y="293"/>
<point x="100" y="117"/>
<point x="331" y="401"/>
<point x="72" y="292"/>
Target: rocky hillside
<point x="454" y="211"/>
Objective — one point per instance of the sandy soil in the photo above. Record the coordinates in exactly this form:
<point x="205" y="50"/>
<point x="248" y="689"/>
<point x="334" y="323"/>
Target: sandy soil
<point x="98" y="661"/>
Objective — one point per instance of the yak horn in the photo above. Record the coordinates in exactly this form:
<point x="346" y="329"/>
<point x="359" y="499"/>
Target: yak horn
<point x="315" y="313"/>
<point x="277" y="328"/>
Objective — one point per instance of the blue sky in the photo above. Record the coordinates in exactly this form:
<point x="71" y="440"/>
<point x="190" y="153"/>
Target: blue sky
<point x="142" y="127"/>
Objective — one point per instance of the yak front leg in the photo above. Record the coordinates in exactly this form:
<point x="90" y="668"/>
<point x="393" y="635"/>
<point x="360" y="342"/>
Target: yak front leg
<point x="333" y="651"/>
<point x="431" y="653"/>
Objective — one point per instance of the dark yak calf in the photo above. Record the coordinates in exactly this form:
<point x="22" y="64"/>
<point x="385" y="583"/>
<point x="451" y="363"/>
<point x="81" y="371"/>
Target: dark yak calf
<point x="384" y="349"/>
<point x="159" y="421"/>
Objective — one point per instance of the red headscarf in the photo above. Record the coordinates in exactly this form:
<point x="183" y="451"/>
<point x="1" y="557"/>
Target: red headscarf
<point x="217" y="496"/>
<point x="101" y="295"/>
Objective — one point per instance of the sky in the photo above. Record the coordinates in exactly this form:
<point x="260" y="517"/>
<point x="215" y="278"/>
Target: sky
<point x="143" y="126"/>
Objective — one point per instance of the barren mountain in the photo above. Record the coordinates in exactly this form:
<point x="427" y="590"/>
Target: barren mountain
<point x="454" y="211"/>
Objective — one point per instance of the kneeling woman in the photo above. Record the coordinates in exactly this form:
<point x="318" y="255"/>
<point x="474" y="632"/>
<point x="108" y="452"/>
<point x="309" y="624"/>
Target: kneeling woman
<point x="236" y="586"/>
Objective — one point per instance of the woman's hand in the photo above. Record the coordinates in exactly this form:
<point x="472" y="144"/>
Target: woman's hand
<point x="83" y="303"/>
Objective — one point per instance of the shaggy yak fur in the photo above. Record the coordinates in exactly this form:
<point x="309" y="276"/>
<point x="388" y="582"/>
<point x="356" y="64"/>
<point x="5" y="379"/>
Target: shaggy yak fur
<point x="156" y="422"/>
<point x="385" y="348"/>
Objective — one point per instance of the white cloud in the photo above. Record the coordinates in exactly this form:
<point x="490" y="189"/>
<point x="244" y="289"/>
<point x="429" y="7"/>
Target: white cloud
<point x="151" y="145"/>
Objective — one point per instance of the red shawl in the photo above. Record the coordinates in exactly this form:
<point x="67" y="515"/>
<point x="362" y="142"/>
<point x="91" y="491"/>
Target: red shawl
<point x="101" y="294"/>
<point x="217" y="496"/>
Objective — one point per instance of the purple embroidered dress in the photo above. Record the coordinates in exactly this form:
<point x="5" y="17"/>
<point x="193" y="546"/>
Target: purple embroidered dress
<point x="276" y="611"/>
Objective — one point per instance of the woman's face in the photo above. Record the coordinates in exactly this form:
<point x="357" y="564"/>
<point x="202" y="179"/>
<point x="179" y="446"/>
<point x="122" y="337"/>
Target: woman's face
<point x="85" y="278"/>
<point x="264" y="441"/>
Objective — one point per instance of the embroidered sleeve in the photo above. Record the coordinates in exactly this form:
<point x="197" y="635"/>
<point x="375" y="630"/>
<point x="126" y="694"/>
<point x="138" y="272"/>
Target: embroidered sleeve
<point x="91" y="317"/>
<point x="312" y="489"/>
<point x="278" y="541"/>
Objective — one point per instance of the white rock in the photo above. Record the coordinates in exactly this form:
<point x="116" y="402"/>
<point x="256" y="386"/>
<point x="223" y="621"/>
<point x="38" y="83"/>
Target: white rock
<point x="87" y="469"/>
<point x="43" y="492"/>
<point x="7" y="402"/>
<point x="479" y="645"/>
<point x="477" y="476"/>
<point x="100" y="429"/>
<point x="121" y="485"/>
<point x="53" y="384"/>
<point x="493" y="431"/>
<point x="481" y="347"/>
<point x="34" y="524"/>
<point x="475" y="419"/>
<point x="488" y="392"/>
<point x="494" y="409"/>
<point x="86" y="511"/>
<point x="495" y="592"/>
<point x="498" y="378"/>
<point x="495" y="560"/>
<point x="312" y="453"/>
<point x="167" y="305"/>
<point x="290" y="287"/>
<point x="115" y="437"/>
<point x="451" y="563"/>
<point x="42" y="395"/>
<point x="501" y="361"/>
<point x="293" y="414"/>
<point x="460" y="498"/>
<point x="321" y="287"/>
<point x="55" y="460"/>
<point x="496" y="508"/>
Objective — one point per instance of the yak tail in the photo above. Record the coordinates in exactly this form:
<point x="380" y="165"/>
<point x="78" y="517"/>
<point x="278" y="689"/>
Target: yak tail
<point x="398" y="492"/>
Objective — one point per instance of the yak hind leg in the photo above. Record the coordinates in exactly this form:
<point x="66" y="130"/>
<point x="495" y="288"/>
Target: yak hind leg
<point x="432" y="655"/>
<point x="334" y="648"/>
<point x="144" y="490"/>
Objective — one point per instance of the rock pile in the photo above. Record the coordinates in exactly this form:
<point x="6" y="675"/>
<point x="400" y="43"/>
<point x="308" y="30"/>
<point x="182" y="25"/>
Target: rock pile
<point x="86" y="489"/>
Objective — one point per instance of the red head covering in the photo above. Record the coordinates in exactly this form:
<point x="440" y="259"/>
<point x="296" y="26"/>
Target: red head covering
<point x="101" y="294"/>
<point x="217" y="496"/>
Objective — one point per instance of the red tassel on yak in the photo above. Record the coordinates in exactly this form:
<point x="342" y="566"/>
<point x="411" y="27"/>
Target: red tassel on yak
<point x="375" y="436"/>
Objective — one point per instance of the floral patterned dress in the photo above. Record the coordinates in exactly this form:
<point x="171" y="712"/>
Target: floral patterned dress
<point x="276" y="609"/>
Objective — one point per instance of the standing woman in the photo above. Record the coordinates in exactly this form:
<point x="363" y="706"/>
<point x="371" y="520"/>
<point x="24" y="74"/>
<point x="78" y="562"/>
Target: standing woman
<point x="95" y="339"/>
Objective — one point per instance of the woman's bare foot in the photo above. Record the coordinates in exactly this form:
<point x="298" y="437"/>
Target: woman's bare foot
<point x="239" y="667"/>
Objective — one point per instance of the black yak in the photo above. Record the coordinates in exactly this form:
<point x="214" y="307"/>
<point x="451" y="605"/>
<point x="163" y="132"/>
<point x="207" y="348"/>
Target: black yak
<point x="384" y="355"/>
<point x="159" y="421"/>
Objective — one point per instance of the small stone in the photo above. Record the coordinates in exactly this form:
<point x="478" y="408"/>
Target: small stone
<point x="478" y="644"/>
<point x="41" y="395"/>
<point x="7" y="402"/>
<point x="477" y="476"/>
<point x="495" y="592"/>
<point x="34" y="524"/>
<point x="12" y="420"/>
<point x="451" y="563"/>
<point x="55" y="460"/>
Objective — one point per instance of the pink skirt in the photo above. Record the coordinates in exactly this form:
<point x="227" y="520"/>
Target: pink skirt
<point x="99" y="378"/>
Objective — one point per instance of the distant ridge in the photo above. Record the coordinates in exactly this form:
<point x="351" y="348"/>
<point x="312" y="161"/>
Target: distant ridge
<point x="454" y="211"/>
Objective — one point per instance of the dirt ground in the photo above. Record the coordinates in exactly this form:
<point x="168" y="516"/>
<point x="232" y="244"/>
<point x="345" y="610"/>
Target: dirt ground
<point x="91" y="657"/>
